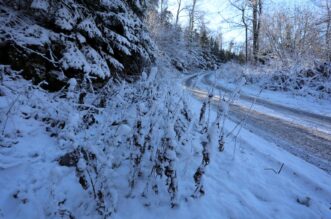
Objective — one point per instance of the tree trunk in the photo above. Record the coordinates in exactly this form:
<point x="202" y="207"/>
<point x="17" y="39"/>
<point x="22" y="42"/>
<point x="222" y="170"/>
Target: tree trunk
<point x="259" y="27"/>
<point x="246" y="34"/>
<point x="246" y="42"/>
<point x="178" y="11"/>
<point x="255" y="30"/>
<point x="192" y="14"/>
<point x="328" y="31"/>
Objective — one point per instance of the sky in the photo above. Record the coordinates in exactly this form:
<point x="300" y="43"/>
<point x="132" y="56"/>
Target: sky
<point x="217" y="11"/>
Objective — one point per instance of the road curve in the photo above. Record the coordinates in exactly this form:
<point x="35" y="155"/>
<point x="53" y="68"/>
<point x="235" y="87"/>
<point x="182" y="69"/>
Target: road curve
<point x="312" y="145"/>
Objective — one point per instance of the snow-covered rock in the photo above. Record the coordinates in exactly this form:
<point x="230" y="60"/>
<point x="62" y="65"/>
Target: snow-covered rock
<point x="90" y="41"/>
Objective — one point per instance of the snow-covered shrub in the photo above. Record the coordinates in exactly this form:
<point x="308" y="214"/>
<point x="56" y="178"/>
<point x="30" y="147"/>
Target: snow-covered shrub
<point x="65" y="19"/>
<point x="205" y="142"/>
<point x="89" y="27"/>
<point x="92" y="39"/>
<point x="312" y="80"/>
<point x="94" y="155"/>
<point x="231" y="72"/>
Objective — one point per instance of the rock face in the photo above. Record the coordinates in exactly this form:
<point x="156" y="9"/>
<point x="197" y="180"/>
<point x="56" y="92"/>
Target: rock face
<point x="90" y="40"/>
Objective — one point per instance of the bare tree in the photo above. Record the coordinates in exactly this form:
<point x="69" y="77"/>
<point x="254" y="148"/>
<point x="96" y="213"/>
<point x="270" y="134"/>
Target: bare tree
<point x="328" y="29"/>
<point x="257" y="12"/>
<point x="178" y="11"/>
<point x="241" y="5"/>
<point x="292" y="34"/>
<point x="325" y="21"/>
<point x="192" y="16"/>
<point x="251" y="18"/>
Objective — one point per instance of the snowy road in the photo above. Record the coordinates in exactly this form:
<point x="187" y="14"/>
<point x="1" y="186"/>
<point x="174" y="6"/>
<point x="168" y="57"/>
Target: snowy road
<point x="304" y="134"/>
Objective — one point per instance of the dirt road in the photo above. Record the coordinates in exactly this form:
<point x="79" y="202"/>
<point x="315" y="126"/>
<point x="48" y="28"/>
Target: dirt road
<point x="295" y="135"/>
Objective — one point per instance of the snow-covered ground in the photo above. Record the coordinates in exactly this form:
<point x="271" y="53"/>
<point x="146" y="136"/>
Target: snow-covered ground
<point x="241" y="183"/>
<point x="307" y="103"/>
<point x="290" y="86"/>
<point x="251" y="178"/>
<point x="300" y="131"/>
<point x="278" y="104"/>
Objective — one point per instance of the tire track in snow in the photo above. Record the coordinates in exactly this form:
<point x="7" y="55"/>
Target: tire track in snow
<point x="317" y="119"/>
<point x="312" y="145"/>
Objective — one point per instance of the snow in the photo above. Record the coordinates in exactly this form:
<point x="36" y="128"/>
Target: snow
<point x="81" y="38"/>
<point x="239" y="185"/>
<point x="261" y="79"/>
<point x="124" y="130"/>
<point x="25" y="33"/>
<point x="86" y="60"/>
<point x="89" y="26"/>
<point x="97" y="64"/>
<point x="240" y="182"/>
<point x="64" y="19"/>
<point x="72" y="36"/>
<point x="72" y="84"/>
<point x="304" y="104"/>
<point x="112" y="3"/>
<point x="133" y="150"/>
<point x="40" y="4"/>
<point x="32" y="164"/>
<point x="74" y="58"/>
<point x="307" y="103"/>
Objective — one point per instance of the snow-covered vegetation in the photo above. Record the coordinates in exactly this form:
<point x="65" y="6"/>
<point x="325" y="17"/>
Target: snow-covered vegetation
<point x="114" y="109"/>
<point x="92" y="154"/>
<point x="53" y="41"/>
<point x="313" y="81"/>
